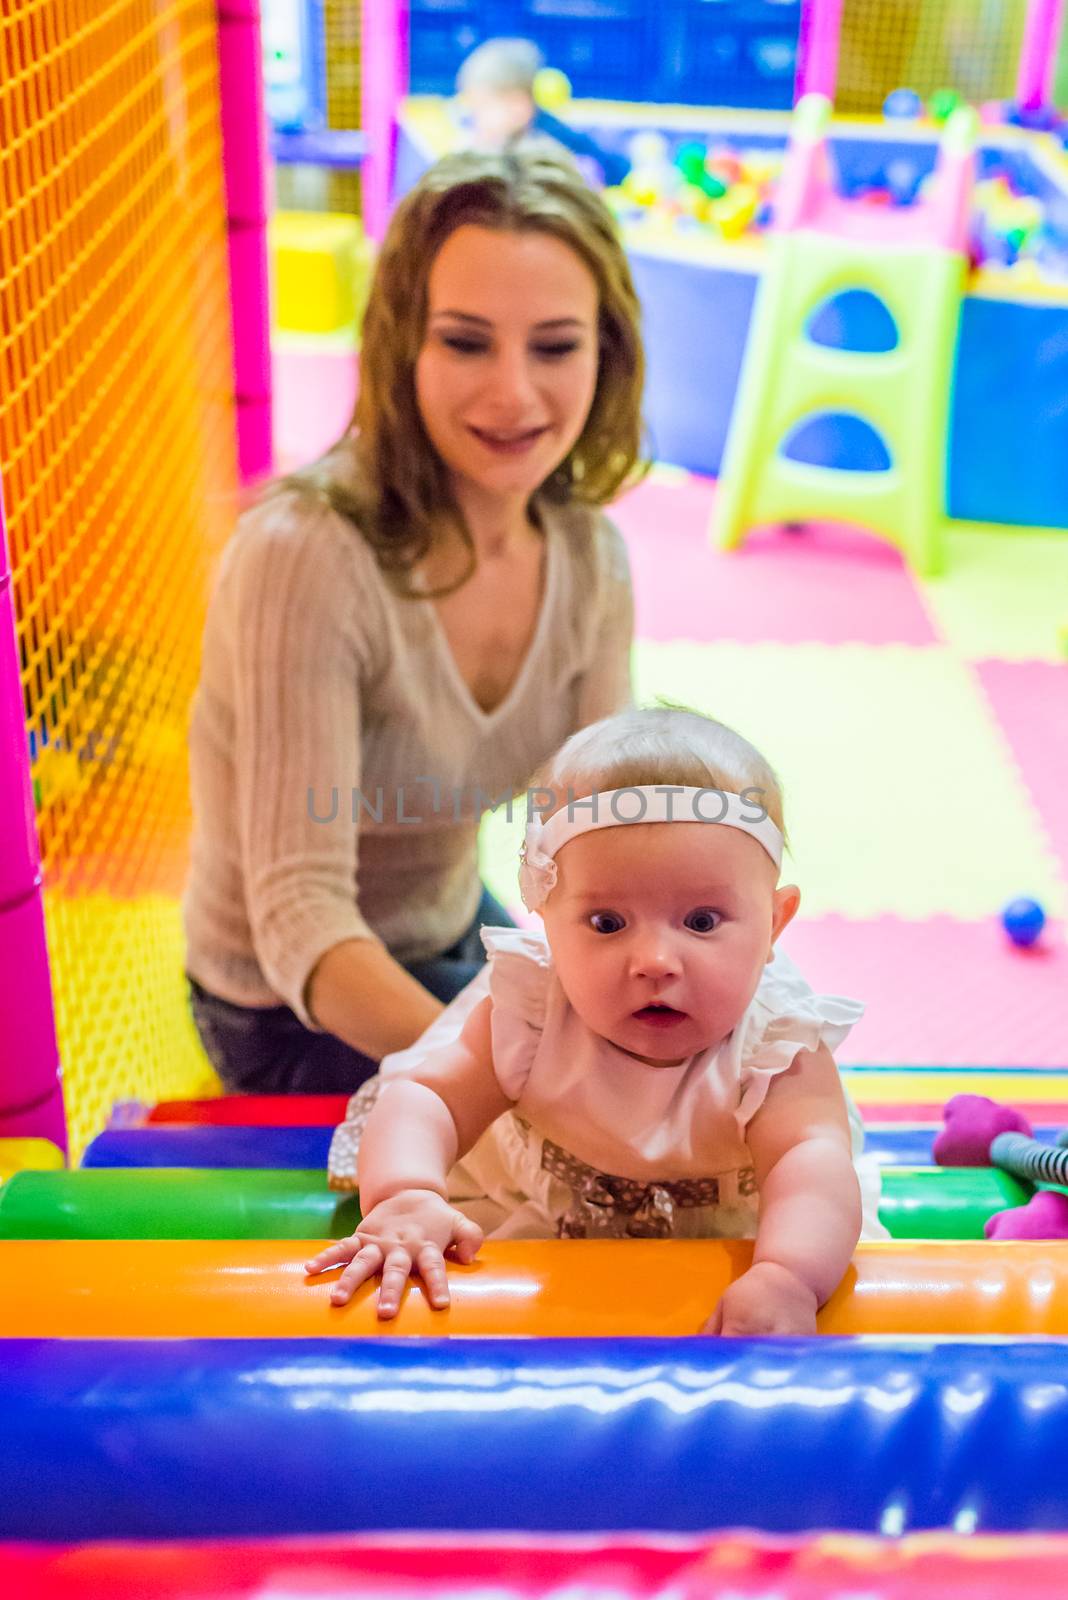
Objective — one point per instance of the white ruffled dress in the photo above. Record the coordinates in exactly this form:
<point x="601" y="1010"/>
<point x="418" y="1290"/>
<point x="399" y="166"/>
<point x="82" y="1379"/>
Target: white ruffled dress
<point x="597" y="1143"/>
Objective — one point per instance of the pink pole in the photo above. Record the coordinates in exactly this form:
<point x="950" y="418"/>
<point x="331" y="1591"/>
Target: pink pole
<point x="244" y="138"/>
<point x="31" y="1097"/>
<point x="817" y="48"/>
<point x="1038" y="54"/>
<point x="384" y="65"/>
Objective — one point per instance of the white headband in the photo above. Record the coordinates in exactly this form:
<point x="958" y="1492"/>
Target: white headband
<point x="614" y="808"/>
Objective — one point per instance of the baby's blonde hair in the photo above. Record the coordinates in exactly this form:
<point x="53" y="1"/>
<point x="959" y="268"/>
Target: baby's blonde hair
<point x="662" y="744"/>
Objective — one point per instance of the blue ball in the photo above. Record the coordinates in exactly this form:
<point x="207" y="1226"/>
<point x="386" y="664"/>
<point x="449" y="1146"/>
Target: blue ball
<point x="1023" y="921"/>
<point x="904" y="104"/>
<point x="902" y="179"/>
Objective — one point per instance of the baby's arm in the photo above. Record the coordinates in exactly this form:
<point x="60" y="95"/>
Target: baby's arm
<point x="810" y="1214"/>
<point x="420" y="1126"/>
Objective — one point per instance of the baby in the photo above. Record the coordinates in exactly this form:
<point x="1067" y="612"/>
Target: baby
<point x="648" y="1066"/>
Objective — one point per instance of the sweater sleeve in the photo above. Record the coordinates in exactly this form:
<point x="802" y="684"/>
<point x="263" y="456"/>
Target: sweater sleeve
<point x="607" y="686"/>
<point x="298" y="654"/>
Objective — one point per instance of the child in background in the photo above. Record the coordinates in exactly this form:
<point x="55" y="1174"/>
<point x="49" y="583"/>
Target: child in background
<point x="648" y="1066"/>
<point x="496" y="85"/>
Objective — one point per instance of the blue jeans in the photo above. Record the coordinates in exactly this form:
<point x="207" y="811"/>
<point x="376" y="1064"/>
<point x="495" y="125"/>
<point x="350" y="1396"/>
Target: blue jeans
<point x="268" y="1050"/>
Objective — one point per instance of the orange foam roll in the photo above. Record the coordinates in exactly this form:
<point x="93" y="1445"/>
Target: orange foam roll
<point x="138" y="1288"/>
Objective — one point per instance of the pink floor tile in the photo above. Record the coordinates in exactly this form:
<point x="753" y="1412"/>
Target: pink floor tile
<point x="1030" y="699"/>
<point x="941" y="991"/>
<point x="824" y="585"/>
<point x="314" y="393"/>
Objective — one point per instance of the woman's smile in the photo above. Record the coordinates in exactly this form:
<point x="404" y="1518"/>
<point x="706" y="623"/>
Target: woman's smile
<point x="508" y="442"/>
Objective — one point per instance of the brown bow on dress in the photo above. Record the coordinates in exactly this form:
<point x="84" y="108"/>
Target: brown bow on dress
<point x="622" y="1207"/>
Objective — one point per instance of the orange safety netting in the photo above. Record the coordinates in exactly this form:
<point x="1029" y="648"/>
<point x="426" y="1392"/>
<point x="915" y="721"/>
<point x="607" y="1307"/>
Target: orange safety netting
<point x="117" y="460"/>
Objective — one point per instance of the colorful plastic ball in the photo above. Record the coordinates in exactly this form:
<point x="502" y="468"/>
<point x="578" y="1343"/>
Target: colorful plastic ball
<point x="724" y="165"/>
<point x="943" y="103"/>
<point x="902" y="180"/>
<point x="639" y="187"/>
<point x="690" y="159"/>
<point x="1023" y="921"/>
<point x="903" y="105"/>
<point x="552" y="89"/>
<point x="733" y="213"/>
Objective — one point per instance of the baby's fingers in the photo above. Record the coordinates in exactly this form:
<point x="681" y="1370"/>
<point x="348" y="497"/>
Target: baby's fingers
<point x="466" y="1240"/>
<point x="335" y="1255"/>
<point x="431" y="1265"/>
<point x="364" y="1264"/>
<point x="395" y="1272"/>
<point x="714" y="1324"/>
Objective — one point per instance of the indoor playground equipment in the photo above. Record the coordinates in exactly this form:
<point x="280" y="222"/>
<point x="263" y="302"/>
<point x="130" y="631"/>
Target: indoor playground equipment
<point x="698" y="254"/>
<point x="331" y="84"/>
<point x="136" y="386"/>
<point x="168" y="1375"/>
<point x="907" y="264"/>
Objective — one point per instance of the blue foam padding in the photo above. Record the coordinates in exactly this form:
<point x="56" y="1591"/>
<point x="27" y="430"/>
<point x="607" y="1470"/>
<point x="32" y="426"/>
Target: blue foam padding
<point x="218" y="1438"/>
<point x="206" y="1146"/>
<point x="898" y="1145"/>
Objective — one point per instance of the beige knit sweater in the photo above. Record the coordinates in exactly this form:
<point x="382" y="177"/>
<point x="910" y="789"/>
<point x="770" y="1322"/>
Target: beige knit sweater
<point x="327" y="704"/>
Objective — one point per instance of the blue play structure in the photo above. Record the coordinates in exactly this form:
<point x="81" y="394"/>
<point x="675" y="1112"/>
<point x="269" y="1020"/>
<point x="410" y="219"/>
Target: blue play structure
<point x="722" y="52"/>
<point x="726" y="52"/>
<point x="294" y="69"/>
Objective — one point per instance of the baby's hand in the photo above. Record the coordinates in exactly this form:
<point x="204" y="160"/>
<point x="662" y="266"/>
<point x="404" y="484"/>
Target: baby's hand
<point x="409" y="1232"/>
<point x="766" y="1299"/>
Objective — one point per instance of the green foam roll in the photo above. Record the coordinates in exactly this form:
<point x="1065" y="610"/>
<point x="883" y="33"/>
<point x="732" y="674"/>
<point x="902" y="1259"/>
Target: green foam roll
<point x="946" y="1202"/>
<point x="178" y="1203"/>
<point x="174" y="1203"/>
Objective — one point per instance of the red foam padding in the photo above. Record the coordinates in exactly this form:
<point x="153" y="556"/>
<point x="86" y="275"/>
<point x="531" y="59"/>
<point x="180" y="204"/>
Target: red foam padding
<point x="835" y="1567"/>
<point x="256" y="1111"/>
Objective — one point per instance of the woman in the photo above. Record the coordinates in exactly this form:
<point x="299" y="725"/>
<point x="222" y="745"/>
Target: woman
<point x="402" y="633"/>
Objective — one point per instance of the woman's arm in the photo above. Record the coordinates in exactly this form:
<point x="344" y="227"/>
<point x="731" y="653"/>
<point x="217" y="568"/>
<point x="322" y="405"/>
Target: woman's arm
<point x="810" y="1212"/>
<point x="302" y="620"/>
<point x="360" y="993"/>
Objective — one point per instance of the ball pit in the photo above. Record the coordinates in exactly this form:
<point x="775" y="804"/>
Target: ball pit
<point x="724" y="188"/>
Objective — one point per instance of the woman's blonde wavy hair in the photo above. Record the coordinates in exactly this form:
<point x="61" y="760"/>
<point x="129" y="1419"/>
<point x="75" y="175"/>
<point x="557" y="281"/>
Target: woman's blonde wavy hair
<point x="399" y="490"/>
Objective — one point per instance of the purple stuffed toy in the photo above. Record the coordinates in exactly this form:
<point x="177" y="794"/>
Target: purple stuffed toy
<point x="1045" y="1216"/>
<point x="972" y="1123"/>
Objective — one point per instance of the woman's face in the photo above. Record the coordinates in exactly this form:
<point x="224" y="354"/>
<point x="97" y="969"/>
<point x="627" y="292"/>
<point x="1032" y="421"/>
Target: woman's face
<point x="508" y="367"/>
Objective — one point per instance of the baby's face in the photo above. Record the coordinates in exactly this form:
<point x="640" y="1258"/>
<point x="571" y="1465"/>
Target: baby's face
<point x="659" y="932"/>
